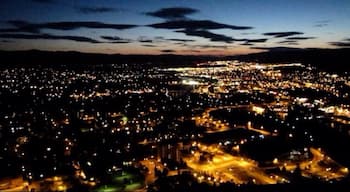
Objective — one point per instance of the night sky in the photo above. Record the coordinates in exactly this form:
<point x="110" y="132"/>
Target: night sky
<point x="225" y="27"/>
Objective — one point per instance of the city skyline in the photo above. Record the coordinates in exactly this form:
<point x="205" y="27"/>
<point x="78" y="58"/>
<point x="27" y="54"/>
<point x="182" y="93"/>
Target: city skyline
<point x="173" y="27"/>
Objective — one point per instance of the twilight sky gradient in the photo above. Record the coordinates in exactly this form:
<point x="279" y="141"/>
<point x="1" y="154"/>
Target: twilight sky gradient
<point x="224" y="27"/>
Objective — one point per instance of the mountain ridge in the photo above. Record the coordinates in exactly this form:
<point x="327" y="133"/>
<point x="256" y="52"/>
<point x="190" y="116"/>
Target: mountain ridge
<point x="336" y="60"/>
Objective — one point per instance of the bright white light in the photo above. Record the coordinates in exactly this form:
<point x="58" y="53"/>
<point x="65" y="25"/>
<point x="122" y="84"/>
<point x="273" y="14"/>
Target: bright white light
<point x="190" y="82"/>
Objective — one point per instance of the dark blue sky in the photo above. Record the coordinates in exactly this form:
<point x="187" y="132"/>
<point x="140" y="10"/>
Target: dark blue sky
<point x="176" y="26"/>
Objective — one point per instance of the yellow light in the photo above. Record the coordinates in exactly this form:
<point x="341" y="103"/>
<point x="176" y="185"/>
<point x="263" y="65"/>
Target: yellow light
<point x="258" y="110"/>
<point x="190" y="82"/>
<point x="61" y="188"/>
<point x="345" y="170"/>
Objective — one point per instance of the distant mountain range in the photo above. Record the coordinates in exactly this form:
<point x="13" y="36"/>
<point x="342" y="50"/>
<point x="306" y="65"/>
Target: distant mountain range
<point x="337" y="60"/>
<point x="73" y="58"/>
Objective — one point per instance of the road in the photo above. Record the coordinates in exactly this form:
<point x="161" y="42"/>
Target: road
<point x="223" y="167"/>
<point x="323" y="166"/>
<point x="17" y="184"/>
<point x="320" y="166"/>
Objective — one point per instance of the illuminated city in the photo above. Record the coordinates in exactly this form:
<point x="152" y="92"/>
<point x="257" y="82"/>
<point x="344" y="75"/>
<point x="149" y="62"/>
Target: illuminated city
<point x="131" y="125"/>
<point x="174" y="96"/>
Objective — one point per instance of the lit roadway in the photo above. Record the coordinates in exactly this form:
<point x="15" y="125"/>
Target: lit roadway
<point x="223" y="167"/>
<point x="56" y="183"/>
<point x="327" y="170"/>
<point x="218" y="126"/>
<point x="16" y="184"/>
<point x="150" y="177"/>
<point x="320" y="166"/>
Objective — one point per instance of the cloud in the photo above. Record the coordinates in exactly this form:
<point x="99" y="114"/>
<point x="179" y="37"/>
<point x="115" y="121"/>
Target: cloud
<point x="115" y="39"/>
<point x="182" y="40"/>
<point x="143" y="39"/>
<point x="49" y="37"/>
<point x="172" y="13"/>
<point x="251" y="42"/>
<point x="198" y="28"/>
<point x="82" y="24"/>
<point x="111" y="38"/>
<point x="157" y="39"/>
<point x="211" y="46"/>
<point x="340" y="44"/>
<point x="208" y="35"/>
<point x="217" y="37"/>
<point x="146" y="41"/>
<point x="118" y="42"/>
<point x="168" y="51"/>
<point x="62" y="37"/>
<point x="246" y="33"/>
<point x="291" y="43"/>
<point x="247" y="44"/>
<point x="92" y="10"/>
<point x="283" y="34"/>
<point x="181" y="44"/>
<point x="300" y="38"/>
<point x="256" y="40"/>
<point x="148" y="45"/>
<point x="196" y="25"/>
<point x="277" y="48"/>
<point x="24" y="26"/>
<point x="288" y="41"/>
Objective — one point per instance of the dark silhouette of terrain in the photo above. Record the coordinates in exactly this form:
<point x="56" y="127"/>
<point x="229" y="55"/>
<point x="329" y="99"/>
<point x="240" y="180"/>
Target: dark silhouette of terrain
<point x="335" y="60"/>
<point x="72" y="58"/>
